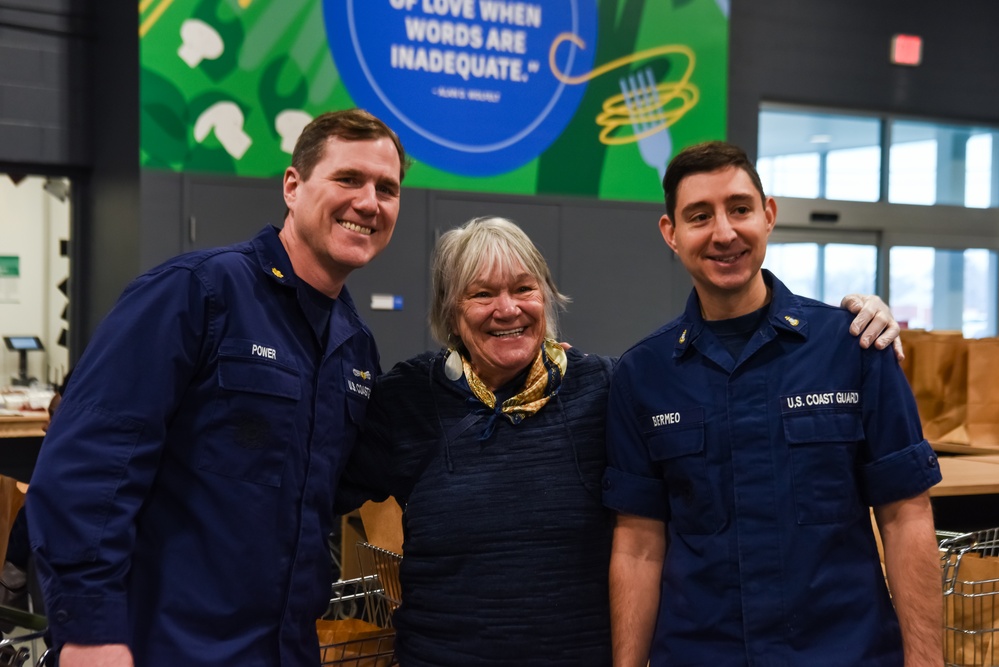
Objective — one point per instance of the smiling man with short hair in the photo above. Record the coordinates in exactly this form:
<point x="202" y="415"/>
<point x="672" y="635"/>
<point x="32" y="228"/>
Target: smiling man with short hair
<point x="181" y="504"/>
<point x="746" y="441"/>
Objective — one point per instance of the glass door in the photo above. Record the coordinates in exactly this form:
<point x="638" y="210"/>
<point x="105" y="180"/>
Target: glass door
<point x="822" y="265"/>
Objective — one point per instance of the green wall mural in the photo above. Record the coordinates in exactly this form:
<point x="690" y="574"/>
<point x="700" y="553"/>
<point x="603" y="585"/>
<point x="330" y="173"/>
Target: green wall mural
<point x="559" y="97"/>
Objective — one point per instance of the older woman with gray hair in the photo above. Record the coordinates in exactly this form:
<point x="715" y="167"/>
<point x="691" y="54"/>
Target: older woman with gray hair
<point x="494" y="447"/>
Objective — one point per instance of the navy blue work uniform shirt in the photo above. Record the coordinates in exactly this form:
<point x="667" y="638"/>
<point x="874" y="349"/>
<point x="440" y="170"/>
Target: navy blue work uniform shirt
<point x="763" y="468"/>
<point x="182" y="501"/>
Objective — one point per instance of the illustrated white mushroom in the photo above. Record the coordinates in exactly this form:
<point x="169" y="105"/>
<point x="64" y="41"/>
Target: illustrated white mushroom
<point x="226" y="119"/>
<point x="289" y="124"/>
<point x="200" y="41"/>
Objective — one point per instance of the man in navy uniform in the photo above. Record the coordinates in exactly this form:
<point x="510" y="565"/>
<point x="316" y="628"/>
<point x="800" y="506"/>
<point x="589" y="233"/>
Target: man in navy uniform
<point x="746" y="440"/>
<point x="181" y="504"/>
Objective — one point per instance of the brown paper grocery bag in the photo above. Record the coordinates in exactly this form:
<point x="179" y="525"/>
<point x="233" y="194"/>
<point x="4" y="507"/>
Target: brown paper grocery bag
<point x="970" y="612"/>
<point x="934" y="357"/>
<point x="981" y="422"/>
<point x="949" y="355"/>
<point x="354" y="643"/>
<point x="911" y="340"/>
<point x="11" y="500"/>
<point x="383" y="524"/>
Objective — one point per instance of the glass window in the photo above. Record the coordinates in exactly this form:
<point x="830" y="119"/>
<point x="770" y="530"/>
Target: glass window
<point x="910" y="282"/>
<point x="865" y="158"/>
<point x="820" y="155"/>
<point x="824" y="155"/>
<point x="978" y="180"/>
<point x="912" y="168"/>
<point x="824" y="271"/>
<point x="796" y="264"/>
<point x="979" y="301"/>
<point x="955" y="290"/>
<point x="790" y="175"/>
<point x="854" y="174"/>
<point x="849" y="269"/>
<point x="931" y="163"/>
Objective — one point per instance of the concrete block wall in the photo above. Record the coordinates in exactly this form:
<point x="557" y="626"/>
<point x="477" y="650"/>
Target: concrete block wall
<point x="44" y="72"/>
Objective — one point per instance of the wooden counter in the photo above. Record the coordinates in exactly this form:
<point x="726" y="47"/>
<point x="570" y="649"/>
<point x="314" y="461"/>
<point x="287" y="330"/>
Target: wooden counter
<point x="25" y="425"/>
<point x="968" y="476"/>
<point x="964" y="450"/>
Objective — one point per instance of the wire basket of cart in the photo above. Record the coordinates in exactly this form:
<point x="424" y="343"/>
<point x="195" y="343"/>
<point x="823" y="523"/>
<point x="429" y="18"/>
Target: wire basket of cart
<point x="356" y="630"/>
<point x="23" y="630"/>
<point x="970" y="564"/>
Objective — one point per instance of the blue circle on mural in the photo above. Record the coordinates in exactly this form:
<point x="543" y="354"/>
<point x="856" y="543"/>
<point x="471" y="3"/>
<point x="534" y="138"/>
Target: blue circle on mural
<point x="467" y="84"/>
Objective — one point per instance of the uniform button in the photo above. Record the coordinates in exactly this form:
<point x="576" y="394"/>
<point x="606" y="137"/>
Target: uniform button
<point x="931" y="461"/>
<point x="606" y="484"/>
<point x="62" y="616"/>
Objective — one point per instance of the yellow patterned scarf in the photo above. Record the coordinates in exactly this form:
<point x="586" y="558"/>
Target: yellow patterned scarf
<point x="543" y="382"/>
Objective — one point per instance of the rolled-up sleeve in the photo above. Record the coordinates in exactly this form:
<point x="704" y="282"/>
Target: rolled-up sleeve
<point x="632" y="494"/>
<point x="631" y="482"/>
<point x="899" y="462"/>
<point x="904" y="474"/>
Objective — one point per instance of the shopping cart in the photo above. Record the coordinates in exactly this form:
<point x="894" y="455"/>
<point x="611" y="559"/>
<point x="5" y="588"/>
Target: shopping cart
<point x="970" y="564"/>
<point x="356" y="630"/>
<point x="15" y="647"/>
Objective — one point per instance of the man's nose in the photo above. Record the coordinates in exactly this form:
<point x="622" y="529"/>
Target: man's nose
<point x="366" y="199"/>
<point x="724" y="231"/>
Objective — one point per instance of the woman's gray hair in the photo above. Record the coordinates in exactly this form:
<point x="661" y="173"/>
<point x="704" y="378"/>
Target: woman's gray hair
<point x="463" y="253"/>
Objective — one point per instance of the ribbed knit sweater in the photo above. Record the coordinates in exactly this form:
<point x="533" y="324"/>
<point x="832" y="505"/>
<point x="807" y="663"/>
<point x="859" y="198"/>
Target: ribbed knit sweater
<point x="507" y="544"/>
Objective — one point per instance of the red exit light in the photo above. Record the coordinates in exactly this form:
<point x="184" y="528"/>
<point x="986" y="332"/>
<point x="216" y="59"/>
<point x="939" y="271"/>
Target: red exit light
<point x="906" y="50"/>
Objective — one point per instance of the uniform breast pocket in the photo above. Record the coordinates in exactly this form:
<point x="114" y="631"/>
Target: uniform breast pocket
<point x="694" y="496"/>
<point x="823" y="449"/>
<point x="254" y="420"/>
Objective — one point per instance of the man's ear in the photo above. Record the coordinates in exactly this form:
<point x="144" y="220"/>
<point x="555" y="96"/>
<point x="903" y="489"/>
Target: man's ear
<point x="668" y="230"/>
<point x="290" y="186"/>
<point x="770" y="209"/>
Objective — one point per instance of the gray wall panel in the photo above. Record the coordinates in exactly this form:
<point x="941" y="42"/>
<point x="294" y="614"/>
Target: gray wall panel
<point x="29" y="61"/>
<point x="539" y="220"/>
<point x="624" y="280"/>
<point x="224" y="210"/>
<point x="44" y="67"/>
<point x="401" y="270"/>
<point x="162" y="213"/>
<point x="20" y="142"/>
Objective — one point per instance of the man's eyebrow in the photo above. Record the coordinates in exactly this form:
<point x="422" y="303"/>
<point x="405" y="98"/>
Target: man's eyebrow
<point x="346" y="171"/>
<point x="351" y="172"/>
<point x="693" y="206"/>
<point x="738" y="198"/>
<point x="390" y="182"/>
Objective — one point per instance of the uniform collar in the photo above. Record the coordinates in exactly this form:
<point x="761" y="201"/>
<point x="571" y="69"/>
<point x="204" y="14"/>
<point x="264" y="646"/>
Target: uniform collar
<point x="273" y="258"/>
<point x="274" y="262"/>
<point x="784" y="315"/>
<point x="276" y="265"/>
